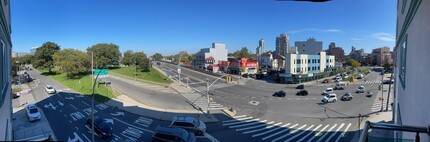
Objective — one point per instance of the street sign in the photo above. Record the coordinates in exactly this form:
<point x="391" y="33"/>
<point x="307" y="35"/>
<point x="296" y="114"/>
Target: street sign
<point x="103" y="73"/>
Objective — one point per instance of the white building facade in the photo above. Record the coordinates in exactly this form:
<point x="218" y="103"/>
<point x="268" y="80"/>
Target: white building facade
<point x="209" y="56"/>
<point x="308" y="64"/>
<point x="266" y="61"/>
<point x="411" y="67"/>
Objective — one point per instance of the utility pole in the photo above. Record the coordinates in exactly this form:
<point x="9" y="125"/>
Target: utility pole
<point x="382" y="91"/>
<point x="92" y="96"/>
<point x="135" y="69"/>
<point x="207" y="95"/>
<point x="389" y="91"/>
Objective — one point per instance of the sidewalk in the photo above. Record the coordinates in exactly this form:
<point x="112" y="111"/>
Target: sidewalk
<point x="23" y="130"/>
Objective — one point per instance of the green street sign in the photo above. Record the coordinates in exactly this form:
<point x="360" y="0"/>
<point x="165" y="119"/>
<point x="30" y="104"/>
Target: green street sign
<point x="102" y="72"/>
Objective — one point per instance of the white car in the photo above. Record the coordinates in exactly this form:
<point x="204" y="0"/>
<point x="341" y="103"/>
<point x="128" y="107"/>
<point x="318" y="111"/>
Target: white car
<point x="360" y="89"/>
<point x="328" y="91"/>
<point x="32" y="112"/>
<point x="50" y="89"/>
<point x="329" y="98"/>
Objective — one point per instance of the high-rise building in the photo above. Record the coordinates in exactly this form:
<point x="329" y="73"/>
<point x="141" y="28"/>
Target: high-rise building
<point x="260" y="48"/>
<point x="382" y="56"/>
<point x="336" y="51"/>
<point x="5" y="73"/>
<point x="411" y="102"/>
<point x="282" y="44"/>
<point x="356" y="54"/>
<point x="310" y="46"/>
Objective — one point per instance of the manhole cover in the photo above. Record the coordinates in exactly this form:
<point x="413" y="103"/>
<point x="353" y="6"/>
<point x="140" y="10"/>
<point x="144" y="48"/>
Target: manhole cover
<point x="255" y="103"/>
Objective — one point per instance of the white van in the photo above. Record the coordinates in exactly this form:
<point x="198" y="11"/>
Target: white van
<point x="340" y="85"/>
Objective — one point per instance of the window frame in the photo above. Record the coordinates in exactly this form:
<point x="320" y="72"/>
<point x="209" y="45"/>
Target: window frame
<point x="402" y="67"/>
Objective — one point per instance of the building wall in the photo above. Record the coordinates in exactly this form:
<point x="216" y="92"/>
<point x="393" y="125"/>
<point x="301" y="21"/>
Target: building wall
<point x="5" y="73"/>
<point x="322" y="61"/>
<point x="304" y="63"/>
<point x="282" y="44"/>
<point x="311" y="46"/>
<point x="412" y="81"/>
<point x="217" y="51"/>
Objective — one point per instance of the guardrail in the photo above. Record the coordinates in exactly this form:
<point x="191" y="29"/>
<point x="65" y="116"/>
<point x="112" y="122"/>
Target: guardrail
<point x="395" y="127"/>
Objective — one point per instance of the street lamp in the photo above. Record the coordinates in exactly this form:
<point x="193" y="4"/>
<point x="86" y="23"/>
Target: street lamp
<point x="208" y="87"/>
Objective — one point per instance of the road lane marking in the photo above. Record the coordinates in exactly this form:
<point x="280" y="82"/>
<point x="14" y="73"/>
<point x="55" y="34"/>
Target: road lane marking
<point x="86" y="137"/>
<point x="75" y="139"/>
<point x="76" y="115"/>
<point x="226" y="121"/>
<point x="264" y="128"/>
<point x="319" y="133"/>
<point x="263" y="124"/>
<point x="343" y="133"/>
<point x="240" y="122"/>
<point x="210" y="137"/>
<point x="85" y="103"/>
<point x="73" y="106"/>
<point x="256" y="135"/>
<point x="88" y="111"/>
<point x="291" y="132"/>
<point x="304" y="131"/>
<point x="326" y="133"/>
<point x="249" y="123"/>
<point x="133" y="125"/>
<point x="335" y="132"/>
<point x="286" y="129"/>
<point x="314" y="130"/>
<point x="239" y="116"/>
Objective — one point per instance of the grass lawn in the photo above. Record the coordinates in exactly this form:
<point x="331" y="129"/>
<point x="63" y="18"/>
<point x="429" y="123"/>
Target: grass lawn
<point x="83" y="85"/>
<point x="152" y="76"/>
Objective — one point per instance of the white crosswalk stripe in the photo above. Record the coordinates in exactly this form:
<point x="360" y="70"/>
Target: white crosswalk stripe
<point x="377" y="103"/>
<point x="272" y="131"/>
<point x="201" y="101"/>
<point x="368" y="82"/>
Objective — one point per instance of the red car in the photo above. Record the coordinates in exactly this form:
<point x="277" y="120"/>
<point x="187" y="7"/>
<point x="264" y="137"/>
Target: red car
<point x="326" y="81"/>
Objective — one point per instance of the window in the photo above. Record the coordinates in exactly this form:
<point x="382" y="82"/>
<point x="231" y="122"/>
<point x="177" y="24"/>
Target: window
<point x="298" y="61"/>
<point x="294" y="61"/>
<point x="326" y="60"/>
<point x="309" y="60"/>
<point x="309" y="68"/>
<point x="402" y="67"/>
<point x="318" y="60"/>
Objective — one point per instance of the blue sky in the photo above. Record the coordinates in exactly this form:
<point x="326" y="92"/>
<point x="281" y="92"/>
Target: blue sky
<point x="170" y="26"/>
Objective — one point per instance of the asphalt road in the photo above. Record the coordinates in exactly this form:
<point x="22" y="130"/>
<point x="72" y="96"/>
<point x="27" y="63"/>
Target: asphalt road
<point x="67" y="112"/>
<point x="260" y="111"/>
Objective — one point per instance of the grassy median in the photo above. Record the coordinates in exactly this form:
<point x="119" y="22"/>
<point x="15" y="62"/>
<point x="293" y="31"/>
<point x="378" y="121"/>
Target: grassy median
<point x="152" y="76"/>
<point x="82" y="85"/>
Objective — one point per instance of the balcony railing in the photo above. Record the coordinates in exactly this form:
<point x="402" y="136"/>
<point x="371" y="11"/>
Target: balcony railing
<point x="395" y="127"/>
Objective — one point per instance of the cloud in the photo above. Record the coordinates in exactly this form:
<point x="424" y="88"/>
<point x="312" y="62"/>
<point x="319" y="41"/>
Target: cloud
<point x="316" y="30"/>
<point x="384" y="37"/>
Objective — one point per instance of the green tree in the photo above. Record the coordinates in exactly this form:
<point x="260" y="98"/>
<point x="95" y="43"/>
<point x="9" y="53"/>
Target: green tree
<point x="16" y="62"/>
<point x="157" y="56"/>
<point x="128" y="58"/>
<point x="355" y="64"/>
<point x="43" y="56"/>
<point x="71" y="61"/>
<point x="104" y="54"/>
<point x="182" y="56"/>
<point x="143" y="62"/>
<point x="26" y="59"/>
<point x="244" y="52"/>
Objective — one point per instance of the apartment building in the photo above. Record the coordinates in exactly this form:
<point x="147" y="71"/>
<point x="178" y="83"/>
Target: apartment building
<point x="308" y="64"/>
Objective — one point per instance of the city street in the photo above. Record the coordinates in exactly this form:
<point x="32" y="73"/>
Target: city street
<point x="304" y="118"/>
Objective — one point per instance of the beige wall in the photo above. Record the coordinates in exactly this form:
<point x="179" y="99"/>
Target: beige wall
<point x="322" y="61"/>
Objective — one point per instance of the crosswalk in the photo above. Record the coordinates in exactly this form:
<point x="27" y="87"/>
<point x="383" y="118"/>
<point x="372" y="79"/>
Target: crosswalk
<point x="265" y="130"/>
<point x="368" y="82"/>
<point x="213" y="87"/>
<point x="377" y="103"/>
<point x="200" y="101"/>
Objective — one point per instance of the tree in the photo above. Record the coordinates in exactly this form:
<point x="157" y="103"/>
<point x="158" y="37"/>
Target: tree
<point x="244" y="52"/>
<point x="16" y="62"/>
<point x="128" y="58"/>
<point x="26" y="59"/>
<point x="157" y="56"/>
<point x="71" y="61"/>
<point x="43" y="55"/>
<point x="355" y="64"/>
<point x="143" y="62"/>
<point x="104" y="54"/>
<point x="182" y="56"/>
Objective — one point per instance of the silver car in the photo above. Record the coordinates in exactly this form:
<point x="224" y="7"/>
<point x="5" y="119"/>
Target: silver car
<point x="32" y="112"/>
<point x="190" y="124"/>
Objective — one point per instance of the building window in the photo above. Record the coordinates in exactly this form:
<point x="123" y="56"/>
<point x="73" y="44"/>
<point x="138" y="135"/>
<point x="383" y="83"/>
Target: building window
<point x="298" y="61"/>
<point x="318" y="60"/>
<point x="326" y="60"/>
<point x="294" y="61"/>
<point x="309" y="68"/>
<point x="402" y="67"/>
<point x="309" y="60"/>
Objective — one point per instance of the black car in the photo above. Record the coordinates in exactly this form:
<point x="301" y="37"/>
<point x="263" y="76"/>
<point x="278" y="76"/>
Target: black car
<point x="301" y="86"/>
<point x="302" y="93"/>
<point x="101" y="127"/>
<point x="346" y="97"/>
<point x="387" y="81"/>
<point x="279" y="94"/>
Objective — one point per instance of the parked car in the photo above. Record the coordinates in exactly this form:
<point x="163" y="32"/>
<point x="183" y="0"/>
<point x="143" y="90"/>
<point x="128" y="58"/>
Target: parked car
<point x="327" y="91"/>
<point x="360" y="76"/>
<point x="388" y="81"/>
<point x="279" y="94"/>
<point x="302" y="93"/>
<point x="369" y="94"/>
<point x="158" y="63"/>
<point x="33" y="113"/>
<point x="301" y="86"/>
<point x="329" y="98"/>
<point x="346" y="97"/>
<point x="326" y="81"/>
<point x="101" y="127"/>
<point x="172" y="134"/>
<point x="360" y="89"/>
<point x="190" y="124"/>
<point x="50" y="89"/>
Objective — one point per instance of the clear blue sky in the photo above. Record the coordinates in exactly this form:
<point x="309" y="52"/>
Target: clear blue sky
<point x="169" y="26"/>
